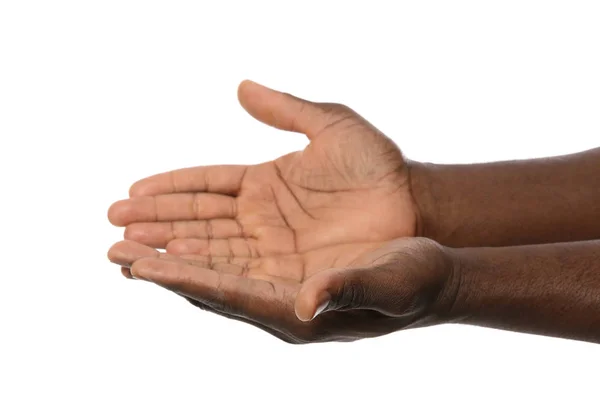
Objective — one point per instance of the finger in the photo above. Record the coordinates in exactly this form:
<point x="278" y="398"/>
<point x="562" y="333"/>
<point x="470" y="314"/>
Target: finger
<point x="230" y="247"/>
<point x="158" y="234"/>
<point x="287" y="112"/>
<point x="257" y="299"/>
<point x="223" y="179"/>
<point x="173" y="207"/>
<point x="125" y="253"/>
<point x="126" y="272"/>
<point x="335" y="289"/>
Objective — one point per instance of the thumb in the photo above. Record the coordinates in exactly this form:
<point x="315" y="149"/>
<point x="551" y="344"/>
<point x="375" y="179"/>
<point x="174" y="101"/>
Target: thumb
<point x="284" y="111"/>
<point x="335" y="289"/>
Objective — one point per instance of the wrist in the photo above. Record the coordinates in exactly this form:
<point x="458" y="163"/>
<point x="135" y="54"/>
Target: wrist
<point x="421" y="177"/>
<point x="445" y="307"/>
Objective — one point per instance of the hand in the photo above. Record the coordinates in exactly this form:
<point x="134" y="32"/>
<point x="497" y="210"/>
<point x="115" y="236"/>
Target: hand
<point x="350" y="185"/>
<point x="360" y="290"/>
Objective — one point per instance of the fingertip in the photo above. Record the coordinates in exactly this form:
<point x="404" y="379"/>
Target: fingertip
<point x="141" y="268"/>
<point x="313" y="297"/>
<point x="250" y="84"/>
<point x="177" y="247"/>
<point x="148" y="186"/>
<point x="251" y="95"/>
<point x="113" y="214"/>
<point x="302" y="309"/>
<point x="316" y="293"/>
<point x="182" y="246"/>
<point x="117" y="213"/>
<point x="281" y="110"/>
<point x="114" y="253"/>
<point x="308" y="308"/>
<point x="245" y="93"/>
<point x="125" y="271"/>
<point x="109" y="254"/>
<point x="137" y="189"/>
<point x="134" y="232"/>
<point x="243" y="87"/>
<point x="124" y="253"/>
<point x="244" y="84"/>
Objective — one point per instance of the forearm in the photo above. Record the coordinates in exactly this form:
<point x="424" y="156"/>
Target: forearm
<point x="509" y="203"/>
<point x="551" y="289"/>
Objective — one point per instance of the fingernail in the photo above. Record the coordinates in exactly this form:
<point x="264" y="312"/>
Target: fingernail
<point x="320" y="308"/>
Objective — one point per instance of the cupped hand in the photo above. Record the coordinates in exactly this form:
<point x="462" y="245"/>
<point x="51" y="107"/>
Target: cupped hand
<point x="338" y="293"/>
<point x="349" y="186"/>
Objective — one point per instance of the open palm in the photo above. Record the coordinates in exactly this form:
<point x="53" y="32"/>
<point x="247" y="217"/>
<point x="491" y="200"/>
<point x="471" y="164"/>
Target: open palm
<point x="344" y="194"/>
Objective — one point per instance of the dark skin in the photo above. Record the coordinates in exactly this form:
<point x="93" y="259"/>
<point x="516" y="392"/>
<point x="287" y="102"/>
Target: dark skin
<point x="284" y="305"/>
<point x="326" y="232"/>
<point x="506" y="203"/>
<point x="551" y="289"/>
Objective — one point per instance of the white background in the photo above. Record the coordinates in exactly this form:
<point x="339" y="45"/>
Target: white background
<point x="96" y="94"/>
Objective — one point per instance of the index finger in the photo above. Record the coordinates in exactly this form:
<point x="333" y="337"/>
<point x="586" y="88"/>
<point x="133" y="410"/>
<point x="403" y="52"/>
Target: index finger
<point x="223" y="179"/>
<point x="266" y="302"/>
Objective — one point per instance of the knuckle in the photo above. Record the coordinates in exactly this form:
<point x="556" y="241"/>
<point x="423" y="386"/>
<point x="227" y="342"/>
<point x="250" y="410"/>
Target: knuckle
<point x="351" y="296"/>
<point x="336" y="107"/>
<point x="342" y="109"/>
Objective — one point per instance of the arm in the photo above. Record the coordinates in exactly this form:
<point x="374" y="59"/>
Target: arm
<point x="551" y="289"/>
<point x="510" y="203"/>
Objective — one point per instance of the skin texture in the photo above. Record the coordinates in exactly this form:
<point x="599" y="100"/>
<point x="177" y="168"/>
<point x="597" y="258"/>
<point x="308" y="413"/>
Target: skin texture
<point x="506" y="203"/>
<point x="551" y="289"/>
<point x="278" y="223"/>
<point x="391" y="287"/>
<point x="320" y="244"/>
<point x="349" y="185"/>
